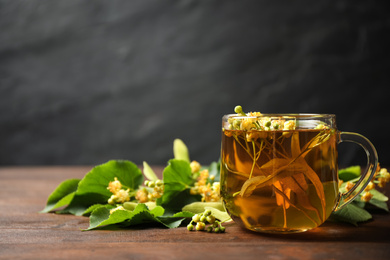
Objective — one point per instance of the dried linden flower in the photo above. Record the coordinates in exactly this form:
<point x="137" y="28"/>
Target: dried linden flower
<point x="195" y="166"/>
<point x="206" y="187"/>
<point x="114" y="186"/>
<point x="142" y="195"/>
<point x="152" y="191"/>
<point x="117" y="208"/>
<point x="349" y="186"/>
<point x="370" y="186"/>
<point x="119" y="195"/>
<point x="123" y="196"/>
<point x="289" y="125"/>
<point x="367" y="196"/>
<point x="248" y="124"/>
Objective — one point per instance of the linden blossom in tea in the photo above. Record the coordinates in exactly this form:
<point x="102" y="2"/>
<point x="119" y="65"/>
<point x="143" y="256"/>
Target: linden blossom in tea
<point x="279" y="172"/>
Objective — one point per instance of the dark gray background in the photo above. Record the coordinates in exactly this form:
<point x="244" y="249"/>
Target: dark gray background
<point x="82" y="82"/>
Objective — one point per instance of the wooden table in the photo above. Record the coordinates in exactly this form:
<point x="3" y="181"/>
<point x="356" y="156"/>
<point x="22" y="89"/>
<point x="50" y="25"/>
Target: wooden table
<point x="27" y="234"/>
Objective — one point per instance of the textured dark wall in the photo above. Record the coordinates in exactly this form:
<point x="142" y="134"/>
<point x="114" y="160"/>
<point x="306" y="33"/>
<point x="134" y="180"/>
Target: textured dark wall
<point x="82" y="82"/>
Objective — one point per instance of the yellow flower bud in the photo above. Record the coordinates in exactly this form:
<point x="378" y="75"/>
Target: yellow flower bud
<point x="289" y="125"/>
<point x="349" y="186"/>
<point x="370" y="186"/>
<point x="114" y="186"/>
<point x="117" y="208"/>
<point x="122" y="196"/>
<point x="366" y="196"/>
<point x="246" y="124"/>
<point x="200" y="226"/>
<point x="195" y="166"/>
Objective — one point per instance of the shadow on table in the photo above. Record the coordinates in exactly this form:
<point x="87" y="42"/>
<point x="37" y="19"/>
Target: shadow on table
<point x="371" y="231"/>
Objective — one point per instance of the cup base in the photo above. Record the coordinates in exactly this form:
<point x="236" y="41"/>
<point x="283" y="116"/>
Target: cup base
<point x="269" y="229"/>
<point x="273" y="230"/>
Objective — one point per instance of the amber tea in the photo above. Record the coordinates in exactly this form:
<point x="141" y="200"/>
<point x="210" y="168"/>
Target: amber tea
<point x="279" y="173"/>
<point x="271" y="183"/>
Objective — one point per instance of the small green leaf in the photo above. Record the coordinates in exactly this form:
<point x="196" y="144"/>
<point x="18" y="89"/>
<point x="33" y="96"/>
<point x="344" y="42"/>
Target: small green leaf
<point x="183" y="214"/>
<point x="99" y="215"/>
<point x="176" y="219"/>
<point x="157" y="211"/>
<point x="349" y="173"/>
<point x="377" y="195"/>
<point x="180" y="150"/>
<point x="149" y="173"/>
<point x="358" y="202"/>
<point x="177" y="182"/>
<point x="89" y="210"/>
<point x="351" y="214"/>
<point x="178" y="201"/>
<point x="379" y="204"/>
<point x="171" y="222"/>
<point x="62" y="195"/>
<point x="80" y="203"/>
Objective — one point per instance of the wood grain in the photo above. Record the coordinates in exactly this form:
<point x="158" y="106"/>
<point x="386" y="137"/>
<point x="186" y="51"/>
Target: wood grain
<point x="27" y="234"/>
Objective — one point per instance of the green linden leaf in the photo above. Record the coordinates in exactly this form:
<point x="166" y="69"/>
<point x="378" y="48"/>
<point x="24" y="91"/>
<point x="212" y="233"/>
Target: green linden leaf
<point x="183" y="214"/>
<point x="62" y="195"/>
<point x="351" y="214"/>
<point x="379" y="204"/>
<point x="140" y="215"/>
<point x="377" y="195"/>
<point x="101" y="216"/>
<point x="378" y="200"/>
<point x="170" y="222"/>
<point x="89" y="210"/>
<point x="349" y="173"/>
<point x="156" y="211"/>
<point x="92" y="189"/>
<point x="358" y="202"/>
<point x="98" y="216"/>
<point x="177" y="178"/>
<point x="176" y="219"/>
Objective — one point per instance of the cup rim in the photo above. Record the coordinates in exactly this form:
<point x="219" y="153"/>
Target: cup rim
<point x="285" y="115"/>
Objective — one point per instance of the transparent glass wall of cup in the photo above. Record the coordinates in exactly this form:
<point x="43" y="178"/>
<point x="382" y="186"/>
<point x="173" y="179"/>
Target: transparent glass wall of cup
<point x="279" y="172"/>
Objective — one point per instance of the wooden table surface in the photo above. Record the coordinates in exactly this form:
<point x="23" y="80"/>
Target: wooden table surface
<point x="27" y="234"/>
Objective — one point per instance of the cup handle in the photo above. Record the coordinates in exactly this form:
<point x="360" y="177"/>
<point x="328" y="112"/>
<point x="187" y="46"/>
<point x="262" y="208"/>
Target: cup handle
<point x="366" y="177"/>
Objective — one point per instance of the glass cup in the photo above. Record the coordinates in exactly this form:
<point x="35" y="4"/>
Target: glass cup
<point x="279" y="172"/>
